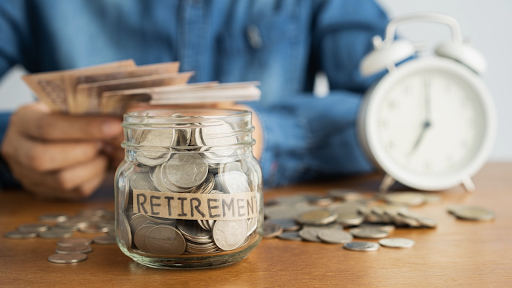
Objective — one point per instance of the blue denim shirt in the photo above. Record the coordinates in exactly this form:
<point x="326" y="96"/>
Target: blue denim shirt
<point x="281" y="43"/>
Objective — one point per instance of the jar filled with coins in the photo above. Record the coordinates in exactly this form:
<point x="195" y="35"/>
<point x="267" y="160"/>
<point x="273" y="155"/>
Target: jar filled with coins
<point x="189" y="192"/>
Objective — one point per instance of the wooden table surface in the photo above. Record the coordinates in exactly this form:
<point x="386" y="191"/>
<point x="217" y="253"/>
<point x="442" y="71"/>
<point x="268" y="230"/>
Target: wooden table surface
<point x="456" y="254"/>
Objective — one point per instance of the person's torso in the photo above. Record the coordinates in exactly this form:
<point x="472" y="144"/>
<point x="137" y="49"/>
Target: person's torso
<point x="222" y="40"/>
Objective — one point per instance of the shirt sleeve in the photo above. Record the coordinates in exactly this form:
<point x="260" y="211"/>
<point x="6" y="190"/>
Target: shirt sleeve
<point x="307" y="137"/>
<point x="13" y="29"/>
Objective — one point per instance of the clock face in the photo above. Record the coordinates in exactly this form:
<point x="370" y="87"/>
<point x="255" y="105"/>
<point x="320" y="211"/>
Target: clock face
<point x="429" y="125"/>
<point x="431" y="122"/>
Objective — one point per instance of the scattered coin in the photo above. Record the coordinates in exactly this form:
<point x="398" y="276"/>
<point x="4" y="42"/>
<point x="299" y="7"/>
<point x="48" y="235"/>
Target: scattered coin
<point x="317" y="217"/>
<point x="287" y="224"/>
<point x="473" y="213"/>
<point x="370" y="233"/>
<point x="33" y="227"/>
<point x="67" y="258"/>
<point x="74" y="249"/>
<point x="271" y="230"/>
<point x="345" y="194"/>
<point x="291" y="235"/>
<point x="54" y="234"/>
<point x="68" y="242"/>
<point x="310" y="233"/>
<point x="334" y="236"/>
<point x="105" y="239"/>
<point x="362" y="246"/>
<point x="20" y="235"/>
<point x="405" y="198"/>
<point x="396" y="242"/>
<point x="53" y="217"/>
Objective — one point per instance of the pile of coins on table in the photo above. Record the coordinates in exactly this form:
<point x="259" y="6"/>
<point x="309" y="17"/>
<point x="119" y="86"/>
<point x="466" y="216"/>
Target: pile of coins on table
<point x="199" y="172"/>
<point x="58" y="225"/>
<point x="322" y="218"/>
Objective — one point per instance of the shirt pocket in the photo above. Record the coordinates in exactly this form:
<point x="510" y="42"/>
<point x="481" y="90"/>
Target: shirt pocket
<point x="257" y="48"/>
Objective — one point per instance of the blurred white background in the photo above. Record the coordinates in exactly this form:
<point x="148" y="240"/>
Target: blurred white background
<point x="487" y="23"/>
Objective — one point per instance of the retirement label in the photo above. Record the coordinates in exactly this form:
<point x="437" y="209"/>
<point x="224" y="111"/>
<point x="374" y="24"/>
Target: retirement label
<point x="191" y="206"/>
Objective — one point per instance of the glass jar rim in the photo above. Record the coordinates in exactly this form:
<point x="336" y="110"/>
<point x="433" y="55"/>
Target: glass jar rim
<point x="201" y="113"/>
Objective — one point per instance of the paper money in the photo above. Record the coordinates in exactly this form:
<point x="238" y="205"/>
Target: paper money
<point x="113" y="88"/>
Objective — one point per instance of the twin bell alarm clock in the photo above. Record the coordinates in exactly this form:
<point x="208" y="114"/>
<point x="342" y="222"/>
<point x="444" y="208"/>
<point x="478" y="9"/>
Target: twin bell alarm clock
<point x="430" y="122"/>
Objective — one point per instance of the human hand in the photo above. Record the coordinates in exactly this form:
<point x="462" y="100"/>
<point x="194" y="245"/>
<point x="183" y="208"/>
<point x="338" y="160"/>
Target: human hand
<point x="56" y="155"/>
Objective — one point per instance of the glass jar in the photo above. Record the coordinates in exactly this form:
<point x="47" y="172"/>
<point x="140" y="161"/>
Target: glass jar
<point x="189" y="191"/>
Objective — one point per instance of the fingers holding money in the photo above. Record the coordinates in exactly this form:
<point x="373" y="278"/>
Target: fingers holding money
<point x="44" y="157"/>
<point x="75" y="182"/>
<point x="35" y="121"/>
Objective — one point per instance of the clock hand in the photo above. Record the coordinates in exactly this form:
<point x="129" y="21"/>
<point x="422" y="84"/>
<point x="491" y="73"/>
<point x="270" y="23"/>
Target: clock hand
<point x="427" y="123"/>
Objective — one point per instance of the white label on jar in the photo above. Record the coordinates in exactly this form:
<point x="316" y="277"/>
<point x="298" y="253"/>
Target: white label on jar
<point x="194" y="206"/>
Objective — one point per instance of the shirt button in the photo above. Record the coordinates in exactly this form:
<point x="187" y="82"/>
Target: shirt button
<point x="254" y="36"/>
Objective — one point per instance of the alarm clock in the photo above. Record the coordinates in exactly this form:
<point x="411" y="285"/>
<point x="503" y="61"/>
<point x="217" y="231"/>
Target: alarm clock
<point x="430" y="122"/>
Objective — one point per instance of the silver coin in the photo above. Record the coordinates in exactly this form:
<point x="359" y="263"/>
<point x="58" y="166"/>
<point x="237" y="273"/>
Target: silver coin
<point x="164" y="176"/>
<point x="140" y="238"/>
<point x="105" y="239"/>
<point x="472" y="213"/>
<point x="125" y="234"/>
<point x="235" y="182"/>
<point x="74" y="223"/>
<point x="317" y="217"/>
<point x="20" y="235"/>
<point x="92" y="227"/>
<point x="108" y="224"/>
<point x="33" y="227"/>
<point x="287" y="224"/>
<point x="165" y="240"/>
<point x="349" y="219"/>
<point x="142" y="181"/>
<point x="405" y="198"/>
<point x="252" y="224"/>
<point x="158" y="138"/>
<point x="291" y="235"/>
<point x="192" y="230"/>
<point x="361" y="246"/>
<point x="334" y="236"/>
<point x="138" y="220"/>
<point x="210" y="136"/>
<point x="229" y="234"/>
<point x="67" y="258"/>
<point x="186" y="170"/>
<point x="309" y="234"/>
<point x="345" y="194"/>
<point x="68" y="242"/>
<point x="423" y="221"/>
<point x="73" y="249"/>
<point x="271" y="230"/>
<point x="148" y="161"/>
<point x="387" y="228"/>
<point x="157" y="180"/>
<point x="53" y="217"/>
<point x="206" y="187"/>
<point x="54" y="234"/>
<point x="396" y="242"/>
<point x="370" y="233"/>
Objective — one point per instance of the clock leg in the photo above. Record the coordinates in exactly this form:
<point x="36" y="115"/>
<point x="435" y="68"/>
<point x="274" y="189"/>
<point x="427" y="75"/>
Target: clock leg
<point x="468" y="184"/>
<point x="386" y="183"/>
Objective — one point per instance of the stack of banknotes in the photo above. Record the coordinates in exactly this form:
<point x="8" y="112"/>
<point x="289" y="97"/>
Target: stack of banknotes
<point x="112" y="88"/>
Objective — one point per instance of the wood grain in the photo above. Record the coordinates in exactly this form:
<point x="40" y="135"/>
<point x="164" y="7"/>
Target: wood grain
<point x="456" y="254"/>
